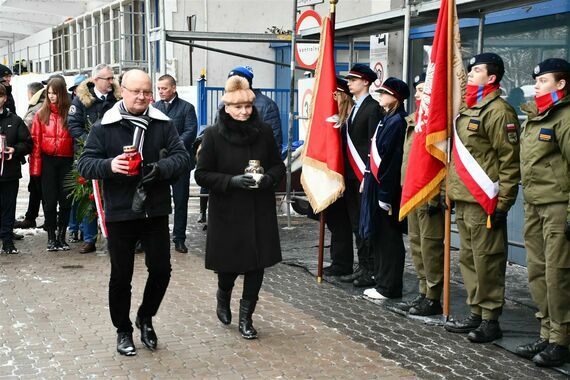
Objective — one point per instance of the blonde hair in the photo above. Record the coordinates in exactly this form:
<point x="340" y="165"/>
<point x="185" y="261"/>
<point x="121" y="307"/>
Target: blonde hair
<point x="345" y="104"/>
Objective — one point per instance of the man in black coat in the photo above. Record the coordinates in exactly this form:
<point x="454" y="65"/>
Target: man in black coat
<point x="184" y="119"/>
<point x="17" y="143"/>
<point x="92" y="99"/>
<point x="137" y="205"/>
<point x="357" y="133"/>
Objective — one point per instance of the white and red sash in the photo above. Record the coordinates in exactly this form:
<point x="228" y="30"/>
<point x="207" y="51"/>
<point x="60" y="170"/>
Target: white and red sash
<point x="375" y="159"/>
<point x="99" y="207"/>
<point x="354" y="159"/>
<point x="483" y="189"/>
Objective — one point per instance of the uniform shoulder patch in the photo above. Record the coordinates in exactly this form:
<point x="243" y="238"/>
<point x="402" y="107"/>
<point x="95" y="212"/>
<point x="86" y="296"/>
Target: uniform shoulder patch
<point x="72" y="110"/>
<point x="512" y="133"/>
<point x="473" y="125"/>
<point x="546" y="135"/>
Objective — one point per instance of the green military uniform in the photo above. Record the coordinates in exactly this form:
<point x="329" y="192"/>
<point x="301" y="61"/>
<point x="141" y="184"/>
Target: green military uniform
<point x="425" y="234"/>
<point x="545" y="170"/>
<point x="486" y="130"/>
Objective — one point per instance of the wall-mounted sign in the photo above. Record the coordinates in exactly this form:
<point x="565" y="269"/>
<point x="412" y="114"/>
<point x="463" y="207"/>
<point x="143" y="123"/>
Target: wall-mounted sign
<point x="379" y="58"/>
<point x="306" y="3"/>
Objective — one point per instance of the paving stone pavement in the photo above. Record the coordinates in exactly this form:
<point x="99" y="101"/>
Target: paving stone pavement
<point x="55" y="324"/>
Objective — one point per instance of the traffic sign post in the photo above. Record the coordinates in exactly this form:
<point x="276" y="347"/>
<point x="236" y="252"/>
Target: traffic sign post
<point x="307" y="55"/>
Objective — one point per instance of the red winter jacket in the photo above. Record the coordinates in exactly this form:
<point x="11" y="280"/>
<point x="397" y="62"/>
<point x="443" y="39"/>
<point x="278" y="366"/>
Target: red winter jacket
<point x="52" y="139"/>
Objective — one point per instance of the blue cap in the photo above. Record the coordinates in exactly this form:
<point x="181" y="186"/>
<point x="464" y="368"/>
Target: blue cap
<point x="79" y="78"/>
<point x="395" y="87"/>
<point x="419" y="79"/>
<point x="551" y="65"/>
<point x="362" y="71"/>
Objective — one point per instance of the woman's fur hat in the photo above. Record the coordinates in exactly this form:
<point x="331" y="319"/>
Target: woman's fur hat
<point x="237" y="91"/>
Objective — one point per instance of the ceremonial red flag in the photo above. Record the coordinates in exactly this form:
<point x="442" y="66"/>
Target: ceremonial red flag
<point x="323" y="166"/>
<point x="428" y="156"/>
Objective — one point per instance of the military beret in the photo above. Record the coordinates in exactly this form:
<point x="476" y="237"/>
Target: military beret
<point x="342" y="85"/>
<point x="4" y="71"/>
<point x="486" y="58"/>
<point x="551" y="65"/>
<point x="395" y="87"/>
<point x="362" y="71"/>
<point x="419" y="79"/>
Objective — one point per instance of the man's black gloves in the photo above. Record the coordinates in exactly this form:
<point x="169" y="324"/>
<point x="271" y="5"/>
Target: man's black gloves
<point x="139" y="198"/>
<point x="443" y="204"/>
<point x="498" y="219"/>
<point x="152" y="174"/>
<point x="242" y="181"/>
<point x="567" y="230"/>
<point x="265" y="182"/>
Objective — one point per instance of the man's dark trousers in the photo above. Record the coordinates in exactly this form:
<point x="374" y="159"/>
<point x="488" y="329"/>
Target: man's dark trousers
<point x="8" y="197"/>
<point x="123" y="236"/>
<point x="338" y="222"/>
<point x="180" y="194"/>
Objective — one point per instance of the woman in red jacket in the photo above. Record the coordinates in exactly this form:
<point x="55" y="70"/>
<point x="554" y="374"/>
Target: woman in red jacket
<point x="52" y="158"/>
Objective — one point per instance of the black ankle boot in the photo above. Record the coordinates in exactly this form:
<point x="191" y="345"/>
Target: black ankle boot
<point x="246" y="309"/>
<point x="52" y="244"/>
<point x="63" y="246"/>
<point x="223" y="308"/>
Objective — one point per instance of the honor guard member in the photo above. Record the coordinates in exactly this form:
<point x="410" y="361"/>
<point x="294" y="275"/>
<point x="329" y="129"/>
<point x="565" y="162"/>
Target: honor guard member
<point x="425" y="232"/>
<point x="545" y="171"/>
<point x="483" y="182"/>
<point x="357" y="133"/>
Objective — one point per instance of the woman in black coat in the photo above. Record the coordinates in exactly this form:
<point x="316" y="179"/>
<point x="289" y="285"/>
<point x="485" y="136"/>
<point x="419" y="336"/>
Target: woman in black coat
<point x="243" y="236"/>
<point x="381" y="193"/>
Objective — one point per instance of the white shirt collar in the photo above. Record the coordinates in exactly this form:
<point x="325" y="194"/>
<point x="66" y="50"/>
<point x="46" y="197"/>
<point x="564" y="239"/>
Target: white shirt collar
<point x="99" y="94"/>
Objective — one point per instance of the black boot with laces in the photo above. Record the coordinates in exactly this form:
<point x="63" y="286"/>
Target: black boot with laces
<point x="9" y="248"/>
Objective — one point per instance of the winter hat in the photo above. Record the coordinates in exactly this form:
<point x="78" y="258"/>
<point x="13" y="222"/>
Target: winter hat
<point x="237" y="91"/>
<point x="243" y="71"/>
<point x="4" y="71"/>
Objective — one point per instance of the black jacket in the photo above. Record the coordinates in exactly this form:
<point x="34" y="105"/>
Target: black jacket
<point x="17" y="137"/>
<point x="183" y="116"/>
<point x="106" y="141"/>
<point x="10" y="103"/>
<point x="242" y="224"/>
<point x="86" y="108"/>
<point x="361" y="130"/>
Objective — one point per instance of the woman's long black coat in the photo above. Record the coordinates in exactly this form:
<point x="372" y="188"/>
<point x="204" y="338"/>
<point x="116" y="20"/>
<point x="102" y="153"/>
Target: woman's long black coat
<point x="242" y="224"/>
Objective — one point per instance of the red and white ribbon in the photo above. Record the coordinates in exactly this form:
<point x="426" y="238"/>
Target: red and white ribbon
<point x="354" y="159"/>
<point x="99" y="206"/>
<point x="483" y="189"/>
<point x="375" y="159"/>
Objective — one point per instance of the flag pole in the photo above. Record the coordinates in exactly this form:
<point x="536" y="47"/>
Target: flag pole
<point x="447" y="237"/>
<point x="320" y="259"/>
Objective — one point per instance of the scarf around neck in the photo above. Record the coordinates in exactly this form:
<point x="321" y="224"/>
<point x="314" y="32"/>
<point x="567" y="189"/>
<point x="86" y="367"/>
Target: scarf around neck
<point x="139" y="122"/>
<point x="546" y="101"/>
<point x="476" y="93"/>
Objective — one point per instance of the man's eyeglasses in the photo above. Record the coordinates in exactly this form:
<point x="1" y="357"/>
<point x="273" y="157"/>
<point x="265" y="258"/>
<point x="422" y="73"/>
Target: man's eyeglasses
<point x="145" y="93"/>
<point x="107" y="79"/>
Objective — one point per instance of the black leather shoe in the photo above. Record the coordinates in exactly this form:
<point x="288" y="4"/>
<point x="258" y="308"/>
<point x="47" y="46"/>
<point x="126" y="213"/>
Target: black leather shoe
<point x="406" y="306"/>
<point x="246" y="309"/>
<point x="353" y="276"/>
<point x="553" y="355"/>
<point x="365" y="280"/>
<point x="139" y="248"/>
<point x="125" y="345"/>
<point x="202" y="218"/>
<point x="334" y="270"/>
<point x="148" y="336"/>
<point x="179" y="246"/>
<point x="529" y="350"/>
<point x="16" y="236"/>
<point x="9" y="248"/>
<point x="26" y="223"/>
<point x="464" y="325"/>
<point x="426" y="307"/>
<point x="487" y="331"/>
<point x="223" y="307"/>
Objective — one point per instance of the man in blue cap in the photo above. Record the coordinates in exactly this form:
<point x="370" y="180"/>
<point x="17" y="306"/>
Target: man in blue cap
<point x="267" y="108"/>
<point x="357" y="133"/>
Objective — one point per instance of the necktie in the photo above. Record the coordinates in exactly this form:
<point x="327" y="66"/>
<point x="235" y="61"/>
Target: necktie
<point x="166" y="106"/>
<point x="103" y="97"/>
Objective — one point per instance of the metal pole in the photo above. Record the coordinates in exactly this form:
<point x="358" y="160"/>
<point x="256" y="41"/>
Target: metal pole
<point x="291" y="114"/>
<point x="480" y="35"/>
<point x="406" y="42"/>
